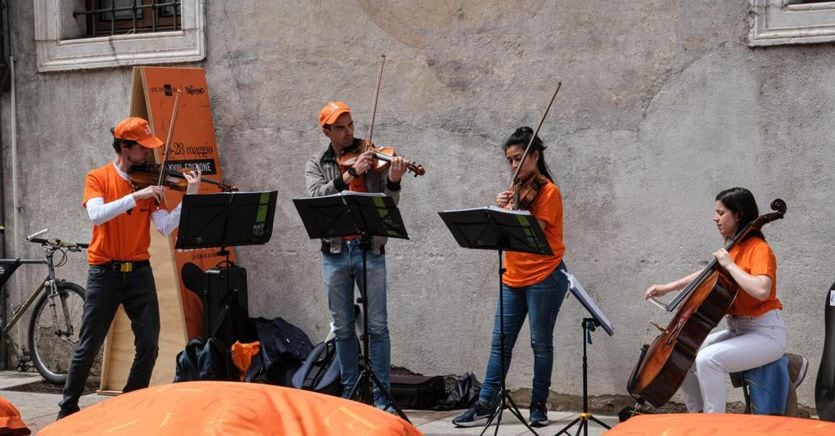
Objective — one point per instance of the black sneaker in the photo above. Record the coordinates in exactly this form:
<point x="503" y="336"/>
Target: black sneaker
<point x="476" y="416"/>
<point x="63" y="413"/>
<point x="539" y="415"/>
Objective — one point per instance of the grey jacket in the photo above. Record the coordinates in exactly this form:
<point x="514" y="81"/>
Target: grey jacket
<point x="322" y="177"/>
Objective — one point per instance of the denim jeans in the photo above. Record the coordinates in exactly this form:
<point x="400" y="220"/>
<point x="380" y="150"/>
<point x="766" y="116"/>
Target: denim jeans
<point x="106" y="290"/>
<point x="768" y="387"/>
<point x="340" y="272"/>
<point x="541" y="303"/>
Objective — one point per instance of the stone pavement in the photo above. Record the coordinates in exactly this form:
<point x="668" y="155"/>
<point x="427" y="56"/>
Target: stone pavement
<point x="40" y="409"/>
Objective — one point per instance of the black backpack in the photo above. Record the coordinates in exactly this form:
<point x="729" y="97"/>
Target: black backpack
<point x="283" y="349"/>
<point x="204" y="361"/>
<point x="320" y="370"/>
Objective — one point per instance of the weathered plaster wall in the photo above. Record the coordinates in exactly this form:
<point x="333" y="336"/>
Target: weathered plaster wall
<point x="662" y="106"/>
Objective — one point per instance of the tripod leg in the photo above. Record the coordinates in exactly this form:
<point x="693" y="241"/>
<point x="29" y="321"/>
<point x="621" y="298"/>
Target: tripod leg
<point x="599" y="422"/>
<point x="387" y="394"/>
<point x="360" y="384"/>
<point x="571" y="424"/>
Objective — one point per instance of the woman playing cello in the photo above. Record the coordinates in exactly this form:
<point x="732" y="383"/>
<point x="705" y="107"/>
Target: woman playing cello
<point x="756" y="333"/>
<point x="533" y="286"/>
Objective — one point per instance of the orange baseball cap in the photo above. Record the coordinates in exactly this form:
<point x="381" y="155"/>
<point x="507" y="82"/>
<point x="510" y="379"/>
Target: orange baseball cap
<point x="136" y="129"/>
<point x="332" y="111"/>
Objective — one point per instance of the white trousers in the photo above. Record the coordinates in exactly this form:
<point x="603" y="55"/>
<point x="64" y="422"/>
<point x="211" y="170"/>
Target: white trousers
<point x="749" y="342"/>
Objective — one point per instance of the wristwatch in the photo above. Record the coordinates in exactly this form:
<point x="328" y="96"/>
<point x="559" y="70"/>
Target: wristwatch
<point x="352" y="171"/>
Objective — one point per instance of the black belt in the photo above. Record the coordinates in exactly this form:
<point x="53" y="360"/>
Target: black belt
<point x="125" y="266"/>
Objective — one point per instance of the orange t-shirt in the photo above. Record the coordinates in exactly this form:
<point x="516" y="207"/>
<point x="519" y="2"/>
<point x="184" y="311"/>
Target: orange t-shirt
<point x="125" y="237"/>
<point x="755" y="257"/>
<point x="525" y="269"/>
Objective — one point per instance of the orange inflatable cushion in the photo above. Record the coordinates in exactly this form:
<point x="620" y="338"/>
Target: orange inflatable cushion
<point x="223" y="408"/>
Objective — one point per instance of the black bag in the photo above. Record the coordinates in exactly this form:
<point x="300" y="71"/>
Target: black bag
<point x="204" y="361"/>
<point x="320" y="370"/>
<point x="417" y="391"/>
<point x="461" y="392"/>
<point x="283" y="349"/>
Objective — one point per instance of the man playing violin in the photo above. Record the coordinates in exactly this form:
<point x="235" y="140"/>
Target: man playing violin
<point x="118" y="255"/>
<point x="342" y="257"/>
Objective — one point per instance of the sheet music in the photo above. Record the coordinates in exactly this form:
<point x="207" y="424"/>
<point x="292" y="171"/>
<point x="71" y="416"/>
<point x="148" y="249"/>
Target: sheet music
<point x="492" y="208"/>
<point x="585" y="299"/>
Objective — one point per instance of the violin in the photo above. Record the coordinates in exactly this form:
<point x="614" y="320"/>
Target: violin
<point x="382" y="157"/>
<point x="524" y="194"/>
<point x="142" y="176"/>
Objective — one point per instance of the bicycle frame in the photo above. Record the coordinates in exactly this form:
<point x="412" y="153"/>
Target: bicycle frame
<point x="48" y="281"/>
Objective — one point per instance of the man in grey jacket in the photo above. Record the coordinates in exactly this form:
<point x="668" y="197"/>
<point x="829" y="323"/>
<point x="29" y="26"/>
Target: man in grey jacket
<point x="342" y="257"/>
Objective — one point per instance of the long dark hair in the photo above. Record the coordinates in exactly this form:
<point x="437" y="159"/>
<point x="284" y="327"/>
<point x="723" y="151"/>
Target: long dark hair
<point x="521" y="137"/>
<point x="741" y="202"/>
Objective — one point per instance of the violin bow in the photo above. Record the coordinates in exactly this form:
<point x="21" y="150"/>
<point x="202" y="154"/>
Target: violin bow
<point x="515" y="180"/>
<point x="376" y="96"/>
<point x="170" y="136"/>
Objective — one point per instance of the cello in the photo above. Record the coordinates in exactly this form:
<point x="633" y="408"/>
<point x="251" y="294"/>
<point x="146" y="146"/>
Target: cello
<point x="663" y="364"/>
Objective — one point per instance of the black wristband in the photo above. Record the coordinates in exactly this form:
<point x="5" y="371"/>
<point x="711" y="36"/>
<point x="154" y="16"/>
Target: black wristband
<point x="393" y="186"/>
<point x="352" y="171"/>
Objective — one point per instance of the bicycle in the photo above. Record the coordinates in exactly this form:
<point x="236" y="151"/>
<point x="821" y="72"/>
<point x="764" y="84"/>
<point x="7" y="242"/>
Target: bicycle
<point x="56" y="316"/>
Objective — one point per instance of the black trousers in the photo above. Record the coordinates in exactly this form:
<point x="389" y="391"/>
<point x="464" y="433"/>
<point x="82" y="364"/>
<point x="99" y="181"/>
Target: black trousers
<point x="107" y="288"/>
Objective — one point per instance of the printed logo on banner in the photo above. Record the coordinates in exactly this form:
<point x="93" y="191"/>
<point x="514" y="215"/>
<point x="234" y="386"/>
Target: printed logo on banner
<point x="180" y="149"/>
<point x="206" y="166"/>
<point x="168" y="90"/>
<point x="195" y="91"/>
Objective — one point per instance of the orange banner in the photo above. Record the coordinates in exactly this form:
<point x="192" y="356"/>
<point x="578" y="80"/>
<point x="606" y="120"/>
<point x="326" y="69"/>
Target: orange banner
<point x="192" y="146"/>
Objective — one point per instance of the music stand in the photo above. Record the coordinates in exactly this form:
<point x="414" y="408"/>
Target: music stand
<point x="224" y="220"/>
<point x="598" y="319"/>
<point x="350" y="214"/>
<point x="492" y="228"/>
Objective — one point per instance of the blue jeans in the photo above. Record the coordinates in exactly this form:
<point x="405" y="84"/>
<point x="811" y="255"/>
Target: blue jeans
<point x="106" y="290"/>
<point x="541" y="303"/>
<point x="340" y="272"/>
<point x="768" y="387"/>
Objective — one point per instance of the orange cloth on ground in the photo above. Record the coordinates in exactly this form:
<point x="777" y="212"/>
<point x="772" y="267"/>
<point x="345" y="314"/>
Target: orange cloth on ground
<point x="10" y="422"/>
<point x="680" y="424"/>
<point x="242" y="355"/>
<point x="125" y="237"/>
<point x="755" y="257"/>
<point x="223" y="408"/>
<point x="525" y="269"/>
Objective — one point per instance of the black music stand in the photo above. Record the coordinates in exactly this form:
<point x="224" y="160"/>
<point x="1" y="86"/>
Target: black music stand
<point x="224" y="220"/>
<point x="492" y="228"/>
<point x="598" y="320"/>
<point x="366" y="215"/>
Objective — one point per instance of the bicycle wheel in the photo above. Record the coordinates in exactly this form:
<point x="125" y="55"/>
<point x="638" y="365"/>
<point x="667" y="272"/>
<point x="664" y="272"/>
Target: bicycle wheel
<point x="51" y="340"/>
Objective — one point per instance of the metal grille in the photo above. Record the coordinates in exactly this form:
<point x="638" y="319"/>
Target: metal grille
<point x="116" y="17"/>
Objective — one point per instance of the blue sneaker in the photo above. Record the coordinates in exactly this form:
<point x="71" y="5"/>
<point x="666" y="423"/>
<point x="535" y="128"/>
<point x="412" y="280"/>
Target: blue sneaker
<point x="385" y="407"/>
<point x="476" y="416"/>
<point x="539" y="415"/>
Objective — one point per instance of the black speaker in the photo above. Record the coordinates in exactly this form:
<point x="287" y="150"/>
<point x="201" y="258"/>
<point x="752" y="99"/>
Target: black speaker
<point x="225" y="309"/>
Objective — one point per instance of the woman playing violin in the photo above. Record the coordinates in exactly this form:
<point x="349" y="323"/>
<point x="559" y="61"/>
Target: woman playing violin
<point x="532" y="286"/>
<point x="756" y="334"/>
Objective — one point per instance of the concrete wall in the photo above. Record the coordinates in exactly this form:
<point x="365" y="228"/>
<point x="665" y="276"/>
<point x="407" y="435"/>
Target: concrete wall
<point x="663" y="104"/>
